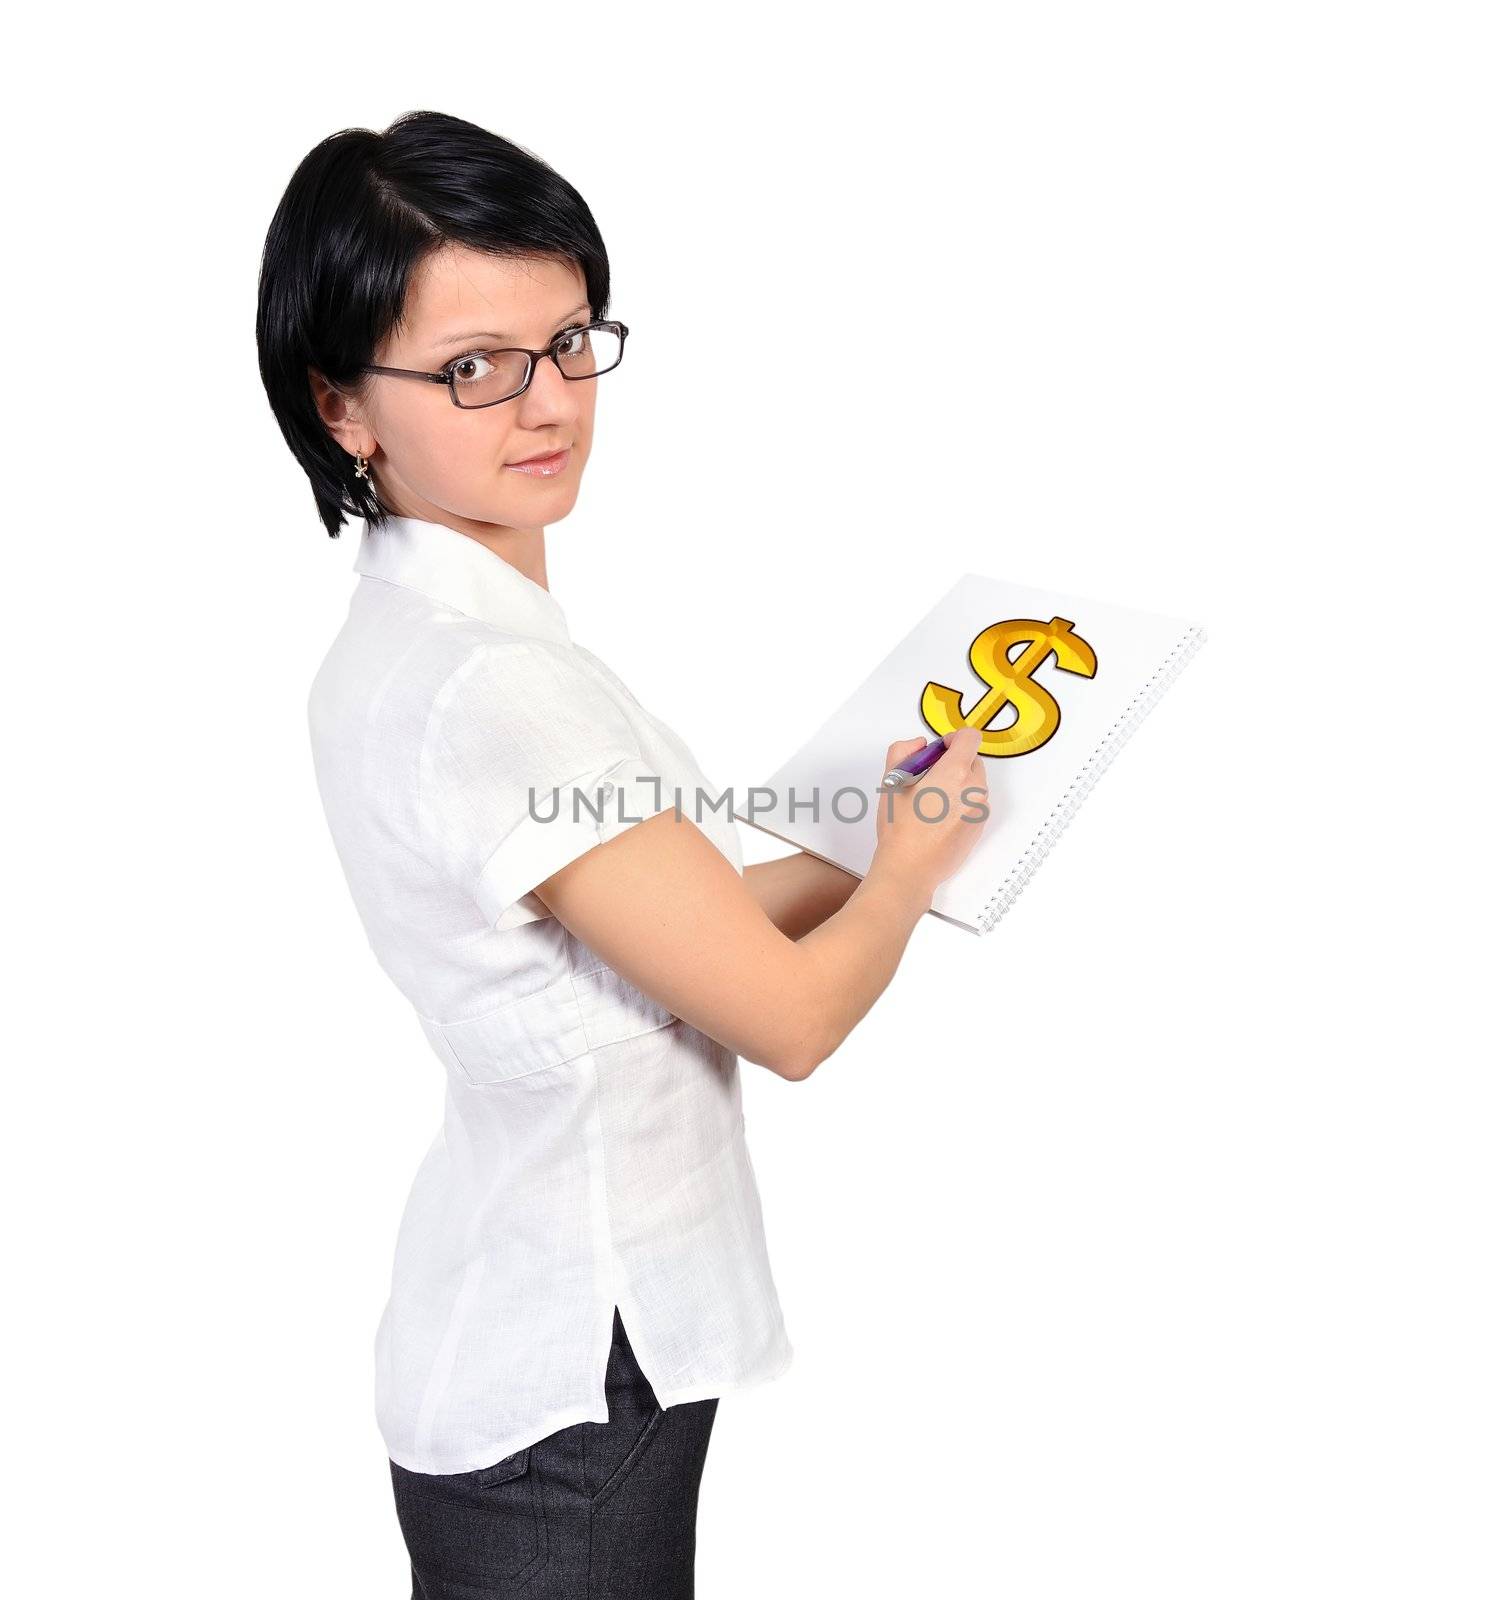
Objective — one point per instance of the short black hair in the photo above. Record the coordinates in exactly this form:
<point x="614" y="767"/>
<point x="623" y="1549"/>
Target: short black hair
<point x="361" y="212"/>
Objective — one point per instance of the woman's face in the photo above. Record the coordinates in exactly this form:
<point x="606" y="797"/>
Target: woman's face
<point x="429" y="456"/>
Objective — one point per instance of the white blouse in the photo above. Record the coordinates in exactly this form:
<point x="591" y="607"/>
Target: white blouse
<point x="592" y="1151"/>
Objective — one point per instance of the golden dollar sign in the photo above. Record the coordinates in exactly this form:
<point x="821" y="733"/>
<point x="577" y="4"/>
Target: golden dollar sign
<point x="1037" y="710"/>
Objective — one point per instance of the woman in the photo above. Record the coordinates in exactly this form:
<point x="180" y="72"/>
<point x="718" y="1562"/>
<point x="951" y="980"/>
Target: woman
<point x="581" y="1268"/>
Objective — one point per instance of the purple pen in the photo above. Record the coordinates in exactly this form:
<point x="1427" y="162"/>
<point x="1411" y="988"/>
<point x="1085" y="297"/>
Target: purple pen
<point x="915" y="765"/>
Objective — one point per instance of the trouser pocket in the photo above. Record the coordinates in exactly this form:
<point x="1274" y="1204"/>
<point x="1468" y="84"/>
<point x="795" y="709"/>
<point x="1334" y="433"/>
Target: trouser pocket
<point x="642" y="1441"/>
<point x="472" y="1527"/>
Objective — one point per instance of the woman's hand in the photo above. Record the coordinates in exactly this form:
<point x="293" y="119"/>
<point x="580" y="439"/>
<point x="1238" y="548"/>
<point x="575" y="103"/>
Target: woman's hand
<point x="924" y="843"/>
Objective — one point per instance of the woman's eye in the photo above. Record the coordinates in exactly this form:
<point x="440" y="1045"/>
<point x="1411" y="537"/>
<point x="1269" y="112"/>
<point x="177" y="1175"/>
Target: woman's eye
<point x="571" y="335"/>
<point x="469" y="369"/>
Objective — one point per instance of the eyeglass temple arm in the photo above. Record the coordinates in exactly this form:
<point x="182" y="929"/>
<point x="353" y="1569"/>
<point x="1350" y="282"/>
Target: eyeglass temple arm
<point x="407" y="372"/>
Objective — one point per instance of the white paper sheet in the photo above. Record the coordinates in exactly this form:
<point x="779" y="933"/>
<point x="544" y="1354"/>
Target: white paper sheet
<point x="1032" y="795"/>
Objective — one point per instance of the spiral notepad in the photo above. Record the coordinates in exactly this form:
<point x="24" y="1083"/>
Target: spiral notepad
<point x="1056" y="682"/>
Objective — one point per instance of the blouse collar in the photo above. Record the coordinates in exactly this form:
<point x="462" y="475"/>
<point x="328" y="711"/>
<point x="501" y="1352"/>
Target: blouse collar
<point x="461" y="572"/>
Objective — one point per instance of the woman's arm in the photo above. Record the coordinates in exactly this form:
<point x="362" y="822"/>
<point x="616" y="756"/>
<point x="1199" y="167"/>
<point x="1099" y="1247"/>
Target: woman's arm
<point x="663" y="906"/>
<point x="799" y="892"/>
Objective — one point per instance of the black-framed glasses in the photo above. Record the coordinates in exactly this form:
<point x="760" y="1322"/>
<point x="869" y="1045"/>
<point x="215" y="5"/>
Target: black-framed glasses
<point x="489" y="377"/>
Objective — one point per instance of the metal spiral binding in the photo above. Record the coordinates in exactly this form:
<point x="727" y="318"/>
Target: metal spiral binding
<point x="1085" y="780"/>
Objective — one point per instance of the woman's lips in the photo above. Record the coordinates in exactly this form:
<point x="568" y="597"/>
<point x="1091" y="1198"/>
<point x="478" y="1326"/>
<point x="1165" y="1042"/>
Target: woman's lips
<point x="544" y="467"/>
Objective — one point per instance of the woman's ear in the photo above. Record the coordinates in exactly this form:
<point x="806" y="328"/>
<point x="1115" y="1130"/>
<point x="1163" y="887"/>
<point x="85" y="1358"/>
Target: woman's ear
<point x="341" y="415"/>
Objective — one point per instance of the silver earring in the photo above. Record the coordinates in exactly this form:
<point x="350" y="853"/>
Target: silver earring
<point x="361" y="471"/>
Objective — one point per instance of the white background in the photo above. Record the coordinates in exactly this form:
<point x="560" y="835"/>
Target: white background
<point x="1154" y="1244"/>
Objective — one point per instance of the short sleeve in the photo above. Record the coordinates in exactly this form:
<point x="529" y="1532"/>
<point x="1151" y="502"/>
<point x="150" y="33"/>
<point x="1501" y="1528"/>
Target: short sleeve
<point x="527" y="763"/>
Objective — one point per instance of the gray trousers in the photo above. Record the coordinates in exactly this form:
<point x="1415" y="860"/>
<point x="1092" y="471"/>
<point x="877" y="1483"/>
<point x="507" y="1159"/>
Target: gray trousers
<point x="596" y="1511"/>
